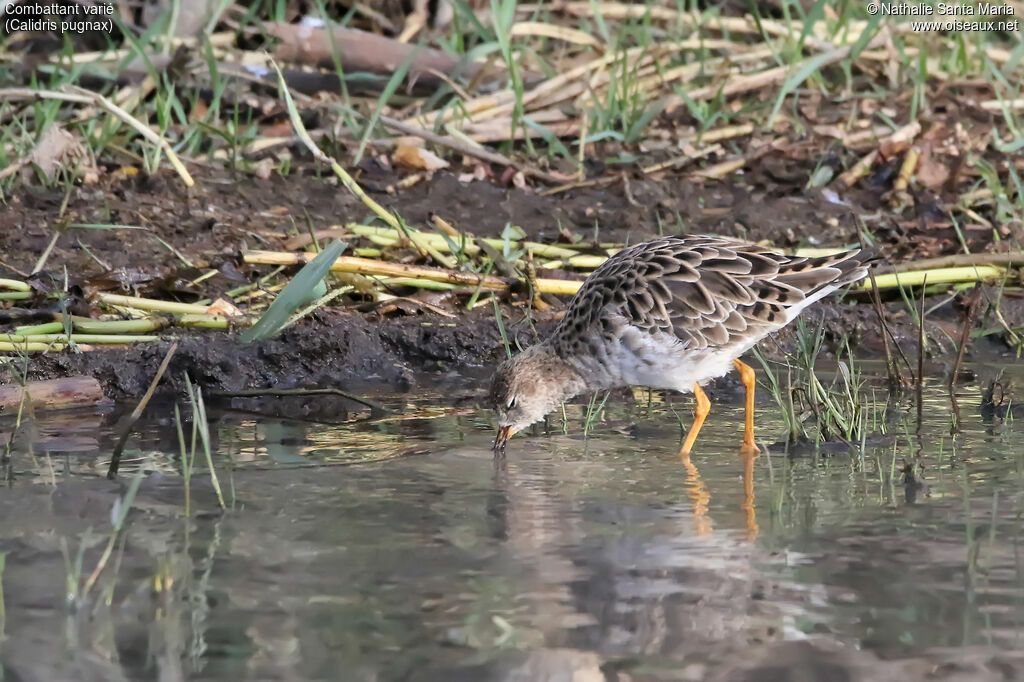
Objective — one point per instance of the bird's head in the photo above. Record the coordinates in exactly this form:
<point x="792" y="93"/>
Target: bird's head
<point x="526" y="387"/>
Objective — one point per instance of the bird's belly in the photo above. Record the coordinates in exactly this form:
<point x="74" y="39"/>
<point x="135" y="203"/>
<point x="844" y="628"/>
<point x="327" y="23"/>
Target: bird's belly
<point x="660" y="363"/>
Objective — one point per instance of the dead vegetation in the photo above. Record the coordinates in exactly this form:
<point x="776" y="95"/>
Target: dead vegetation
<point x="915" y="133"/>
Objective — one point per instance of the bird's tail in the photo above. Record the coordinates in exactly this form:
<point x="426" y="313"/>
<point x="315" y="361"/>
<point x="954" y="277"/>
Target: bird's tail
<point x="832" y="271"/>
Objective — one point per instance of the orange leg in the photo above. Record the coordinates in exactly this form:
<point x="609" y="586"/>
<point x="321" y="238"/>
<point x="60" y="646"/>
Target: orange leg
<point x="700" y="414"/>
<point x="749" y="381"/>
<point x="695" y="488"/>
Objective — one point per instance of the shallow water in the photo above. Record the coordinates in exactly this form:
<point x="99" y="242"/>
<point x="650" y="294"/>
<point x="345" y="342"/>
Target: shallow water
<point x="399" y="549"/>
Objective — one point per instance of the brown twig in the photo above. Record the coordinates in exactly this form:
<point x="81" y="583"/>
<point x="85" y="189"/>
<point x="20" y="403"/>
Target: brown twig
<point x="965" y="334"/>
<point x="892" y="369"/>
<point x="919" y="383"/>
<point x="115" y="457"/>
<point x="52" y="393"/>
<point x="284" y="392"/>
<point x="363" y="51"/>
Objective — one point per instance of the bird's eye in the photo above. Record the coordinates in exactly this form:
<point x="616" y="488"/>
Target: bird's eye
<point x="512" y="403"/>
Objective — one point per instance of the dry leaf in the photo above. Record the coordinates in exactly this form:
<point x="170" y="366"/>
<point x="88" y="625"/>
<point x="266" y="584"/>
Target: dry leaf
<point x="58" y="149"/>
<point x="417" y="158"/>
<point x="223" y="307"/>
<point x="282" y="128"/>
<point x="264" y="168"/>
<point x="931" y="172"/>
<point x="481" y="171"/>
<point x="199" y="111"/>
<point x="900" y="140"/>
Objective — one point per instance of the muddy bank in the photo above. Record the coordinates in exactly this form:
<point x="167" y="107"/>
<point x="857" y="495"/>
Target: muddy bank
<point x="335" y="350"/>
<point x="359" y="344"/>
<point x="226" y="214"/>
<point x="362" y="353"/>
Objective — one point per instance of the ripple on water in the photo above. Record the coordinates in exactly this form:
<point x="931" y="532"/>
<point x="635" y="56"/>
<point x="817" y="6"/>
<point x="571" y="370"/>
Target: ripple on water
<point x="400" y="549"/>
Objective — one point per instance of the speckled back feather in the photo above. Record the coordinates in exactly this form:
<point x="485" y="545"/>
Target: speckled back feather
<point x="710" y="292"/>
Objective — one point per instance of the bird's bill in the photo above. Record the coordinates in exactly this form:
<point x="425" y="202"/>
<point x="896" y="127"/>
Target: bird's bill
<point x="504" y="433"/>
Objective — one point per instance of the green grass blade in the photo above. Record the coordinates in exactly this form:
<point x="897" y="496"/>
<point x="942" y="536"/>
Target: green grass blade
<point x="1011" y="147"/>
<point x="1015" y="58"/>
<point x="816" y="14"/>
<point x="865" y="37"/>
<point x="396" y="79"/>
<point x="501" y="326"/>
<point x="297" y="293"/>
<point x="808" y="67"/>
<point x="548" y="136"/>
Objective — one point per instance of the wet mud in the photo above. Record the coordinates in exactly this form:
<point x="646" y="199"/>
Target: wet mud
<point x="225" y="215"/>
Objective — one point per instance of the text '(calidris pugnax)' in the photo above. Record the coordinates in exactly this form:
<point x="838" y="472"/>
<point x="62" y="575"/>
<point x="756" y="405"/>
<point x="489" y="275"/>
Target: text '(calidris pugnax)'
<point x="670" y="314"/>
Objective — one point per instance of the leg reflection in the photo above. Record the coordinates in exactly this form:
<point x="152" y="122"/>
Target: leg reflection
<point x="748" y="495"/>
<point x="698" y="494"/>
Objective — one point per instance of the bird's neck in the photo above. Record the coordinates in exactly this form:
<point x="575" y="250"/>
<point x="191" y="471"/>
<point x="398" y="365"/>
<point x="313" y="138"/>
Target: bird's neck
<point x="559" y="370"/>
<point x="578" y="372"/>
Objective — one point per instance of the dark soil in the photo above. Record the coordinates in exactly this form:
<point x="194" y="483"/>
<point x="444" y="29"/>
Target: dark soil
<point x="225" y="215"/>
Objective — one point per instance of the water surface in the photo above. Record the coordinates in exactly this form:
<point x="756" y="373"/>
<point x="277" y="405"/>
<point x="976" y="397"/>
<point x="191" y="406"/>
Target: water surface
<point x="399" y="549"/>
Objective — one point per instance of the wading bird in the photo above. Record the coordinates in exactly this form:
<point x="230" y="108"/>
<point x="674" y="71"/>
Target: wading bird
<point x="672" y="314"/>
